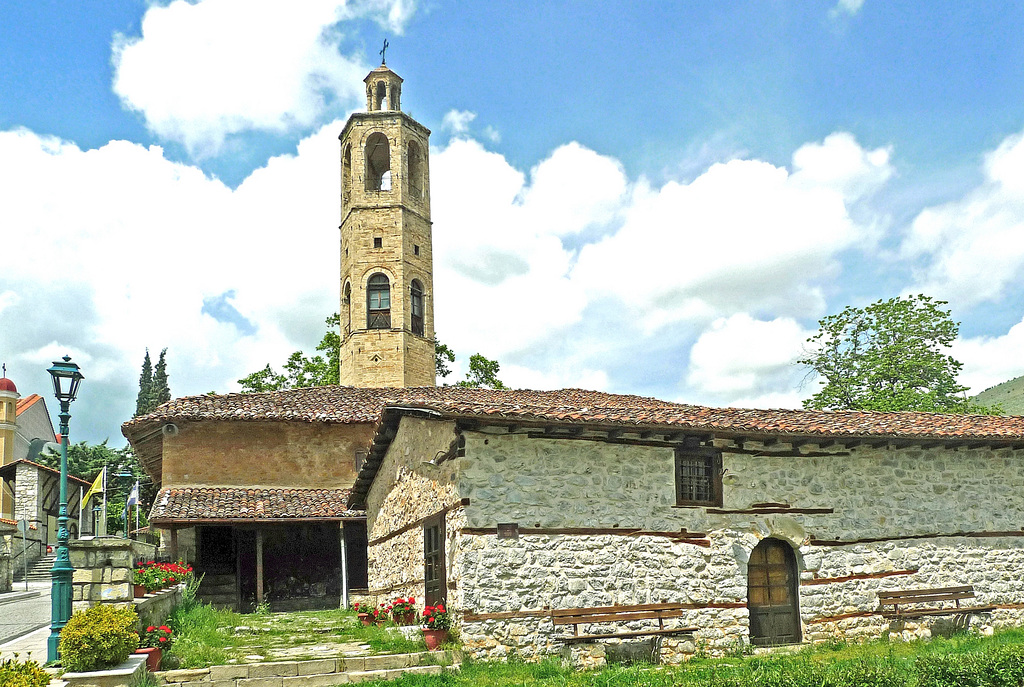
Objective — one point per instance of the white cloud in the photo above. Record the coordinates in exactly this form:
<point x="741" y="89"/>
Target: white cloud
<point x="202" y="71"/>
<point x="990" y="360"/>
<point x="847" y="7"/>
<point x="740" y="357"/>
<point x="744" y="235"/>
<point x="972" y="250"/>
<point x="457" y="121"/>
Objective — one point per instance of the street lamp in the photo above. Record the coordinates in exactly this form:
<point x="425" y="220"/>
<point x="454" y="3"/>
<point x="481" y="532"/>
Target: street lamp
<point x="66" y="379"/>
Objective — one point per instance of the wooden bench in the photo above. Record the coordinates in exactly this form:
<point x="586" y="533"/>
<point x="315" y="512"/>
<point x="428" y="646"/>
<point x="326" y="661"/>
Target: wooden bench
<point x="621" y="614"/>
<point x="921" y="602"/>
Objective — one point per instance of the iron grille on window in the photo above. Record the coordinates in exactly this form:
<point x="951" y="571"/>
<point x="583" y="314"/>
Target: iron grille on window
<point x="698" y="477"/>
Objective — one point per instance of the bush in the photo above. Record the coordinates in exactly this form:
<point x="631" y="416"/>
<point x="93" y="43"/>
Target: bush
<point x="98" y="638"/>
<point x="14" y="673"/>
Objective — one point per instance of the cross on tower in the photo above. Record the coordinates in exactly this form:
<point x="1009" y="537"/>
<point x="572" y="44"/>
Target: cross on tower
<point x="383" y="57"/>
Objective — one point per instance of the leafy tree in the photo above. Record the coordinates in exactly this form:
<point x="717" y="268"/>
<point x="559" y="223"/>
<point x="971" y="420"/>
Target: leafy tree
<point x="443" y="357"/>
<point x="142" y="401"/>
<point x="300" y="370"/>
<point x="483" y="372"/>
<point x="123" y="469"/>
<point x="889" y="356"/>
<point x="161" y="391"/>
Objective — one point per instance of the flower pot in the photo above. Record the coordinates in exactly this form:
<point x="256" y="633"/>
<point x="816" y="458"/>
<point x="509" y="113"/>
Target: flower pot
<point x="407" y="618"/>
<point x="140" y="590"/>
<point x="434" y="638"/>
<point x="364" y="618"/>
<point x="153" y="656"/>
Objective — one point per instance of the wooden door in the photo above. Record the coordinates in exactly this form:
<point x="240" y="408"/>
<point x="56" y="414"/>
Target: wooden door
<point x="772" y="594"/>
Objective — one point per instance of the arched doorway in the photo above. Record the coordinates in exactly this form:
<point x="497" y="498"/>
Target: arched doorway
<point x="773" y="599"/>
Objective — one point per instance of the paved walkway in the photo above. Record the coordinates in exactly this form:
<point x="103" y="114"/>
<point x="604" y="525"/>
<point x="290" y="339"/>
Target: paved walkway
<point x="25" y="621"/>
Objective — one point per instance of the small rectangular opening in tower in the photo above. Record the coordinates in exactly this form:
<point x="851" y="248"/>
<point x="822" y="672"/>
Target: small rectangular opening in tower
<point x="415" y="250"/>
<point x="378" y="242"/>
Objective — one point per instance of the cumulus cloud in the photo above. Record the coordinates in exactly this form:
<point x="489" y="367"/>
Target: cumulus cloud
<point x="990" y="360"/>
<point x="744" y="235"/>
<point x="972" y="250"/>
<point x="457" y="121"/>
<point x="739" y="357"/>
<point x="202" y="71"/>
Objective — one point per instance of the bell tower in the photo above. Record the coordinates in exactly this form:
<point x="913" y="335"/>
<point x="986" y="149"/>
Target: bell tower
<point x="387" y="312"/>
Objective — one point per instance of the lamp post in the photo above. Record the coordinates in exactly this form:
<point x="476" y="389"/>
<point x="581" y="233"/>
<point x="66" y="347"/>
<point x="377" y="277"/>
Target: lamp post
<point x="66" y="379"/>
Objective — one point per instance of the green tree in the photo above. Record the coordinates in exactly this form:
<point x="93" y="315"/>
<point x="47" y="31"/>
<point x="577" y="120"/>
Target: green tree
<point x="301" y="370"/>
<point x="443" y="357"/>
<point x="483" y="372"/>
<point x="160" y="391"/>
<point x="889" y="356"/>
<point x="142" y="401"/>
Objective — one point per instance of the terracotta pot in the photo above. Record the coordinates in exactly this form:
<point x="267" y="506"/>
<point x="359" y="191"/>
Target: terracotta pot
<point x="407" y="618"/>
<point x="434" y="638"/>
<point x="140" y="590"/>
<point x="364" y="618"/>
<point x="153" y="656"/>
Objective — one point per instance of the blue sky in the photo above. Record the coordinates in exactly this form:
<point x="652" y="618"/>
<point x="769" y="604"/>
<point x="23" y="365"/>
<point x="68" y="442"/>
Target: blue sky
<point x="656" y="198"/>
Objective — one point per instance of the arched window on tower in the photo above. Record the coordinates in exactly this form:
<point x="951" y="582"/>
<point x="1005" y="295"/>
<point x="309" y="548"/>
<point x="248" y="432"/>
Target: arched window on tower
<point x="415" y="170"/>
<point x="378" y="163"/>
<point x="378" y="302"/>
<point x="381" y="96"/>
<point x="346" y="174"/>
<point x="347" y="305"/>
<point x="417" y="307"/>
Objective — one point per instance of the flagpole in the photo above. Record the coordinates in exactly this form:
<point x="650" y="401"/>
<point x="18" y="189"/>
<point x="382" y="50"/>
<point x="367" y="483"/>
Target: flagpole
<point x="104" y="528"/>
<point x="81" y="495"/>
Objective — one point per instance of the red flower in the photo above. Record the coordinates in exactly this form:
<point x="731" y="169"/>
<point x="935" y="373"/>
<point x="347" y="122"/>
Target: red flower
<point x="163" y="639"/>
<point x="150" y="628"/>
<point x="164" y="628"/>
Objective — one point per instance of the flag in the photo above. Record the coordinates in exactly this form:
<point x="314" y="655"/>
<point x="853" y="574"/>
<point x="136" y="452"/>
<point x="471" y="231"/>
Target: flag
<point x="99" y="485"/>
<point x="133" y="498"/>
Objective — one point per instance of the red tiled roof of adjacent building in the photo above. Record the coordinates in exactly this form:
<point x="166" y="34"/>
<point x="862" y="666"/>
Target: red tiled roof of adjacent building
<point x="9" y="470"/>
<point x="245" y="504"/>
<point x="340" y="404"/>
<point x="24" y="403"/>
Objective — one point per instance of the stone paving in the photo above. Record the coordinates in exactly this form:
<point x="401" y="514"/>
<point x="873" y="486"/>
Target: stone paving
<point x="19" y="616"/>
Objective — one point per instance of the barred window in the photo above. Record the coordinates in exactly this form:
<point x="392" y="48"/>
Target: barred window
<point x="698" y="477"/>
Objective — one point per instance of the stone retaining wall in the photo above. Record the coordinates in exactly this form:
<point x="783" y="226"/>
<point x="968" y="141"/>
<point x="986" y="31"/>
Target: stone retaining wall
<point x="103" y="570"/>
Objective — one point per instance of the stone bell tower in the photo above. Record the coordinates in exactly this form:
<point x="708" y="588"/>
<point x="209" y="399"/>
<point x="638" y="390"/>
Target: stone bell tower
<point x="387" y="309"/>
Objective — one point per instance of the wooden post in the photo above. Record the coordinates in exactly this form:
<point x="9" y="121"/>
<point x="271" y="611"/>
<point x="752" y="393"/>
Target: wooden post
<point x="259" y="567"/>
<point x="344" y="568"/>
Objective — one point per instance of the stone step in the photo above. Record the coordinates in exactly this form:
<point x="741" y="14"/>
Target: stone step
<point x="315" y="673"/>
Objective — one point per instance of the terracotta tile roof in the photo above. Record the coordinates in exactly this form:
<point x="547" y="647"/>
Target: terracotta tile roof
<point x="339" y="404"/>
<point x="241" y="504"/>
<point x="24" y="403"/>
<point x="8" y="471"/>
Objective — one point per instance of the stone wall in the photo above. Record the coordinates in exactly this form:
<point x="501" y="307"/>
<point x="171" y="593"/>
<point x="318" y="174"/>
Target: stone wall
<point x="409" y="488"/>
<point x="103" y="570"/>
<point x="936" y="516"/>
<point x="6" y="574"/>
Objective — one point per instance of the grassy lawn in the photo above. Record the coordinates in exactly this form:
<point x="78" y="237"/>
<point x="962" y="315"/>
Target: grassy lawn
<point x="962" y="661"/>
<point x="209" y="637"/>
<point x="205" y="636"/>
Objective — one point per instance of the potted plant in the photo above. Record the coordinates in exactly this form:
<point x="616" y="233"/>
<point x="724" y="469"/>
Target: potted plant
<point x="362" y="613"/>
<point x="140" y="581"/>
<point x="154" y="641"/>
<point x="381" y="614"/>
<point x="436" y="624"/>
<point x="403" y="611"/>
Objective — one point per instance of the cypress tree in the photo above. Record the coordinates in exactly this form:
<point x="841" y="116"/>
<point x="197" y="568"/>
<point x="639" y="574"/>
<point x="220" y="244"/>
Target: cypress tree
<point x="161" y="389"/>
<point x="143" y="403"/>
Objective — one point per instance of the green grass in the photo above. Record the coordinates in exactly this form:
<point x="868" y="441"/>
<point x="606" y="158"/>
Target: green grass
<point x="1009" y="395"/>
<point x="962" y="661"/>
<point x="205" y="636"/>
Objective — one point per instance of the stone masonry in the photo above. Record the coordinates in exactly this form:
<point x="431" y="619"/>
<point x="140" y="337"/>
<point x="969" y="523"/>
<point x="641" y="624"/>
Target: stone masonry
<point x="104" y="570"/>
<point x="879" y="519"/>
